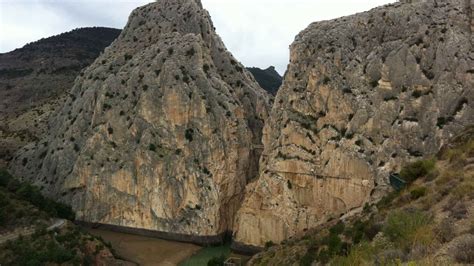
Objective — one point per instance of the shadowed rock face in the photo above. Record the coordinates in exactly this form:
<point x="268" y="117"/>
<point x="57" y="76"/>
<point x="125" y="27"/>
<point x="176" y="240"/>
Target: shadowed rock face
<point x="362" y="94"/>
<point x="268" y="78"/>
<point x="161" y="132"/>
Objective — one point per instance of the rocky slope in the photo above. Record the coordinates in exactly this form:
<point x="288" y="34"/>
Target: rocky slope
<point x="362" y="95"/>
<point x="430" y="222"/>
<point x="162" y="132"/>
<point x="34" y="79"/>
<point x="268" y="78"/>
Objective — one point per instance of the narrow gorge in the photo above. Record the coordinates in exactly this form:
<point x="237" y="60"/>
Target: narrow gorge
<point x="167" y="134"/>
<point x="162" y="132"/>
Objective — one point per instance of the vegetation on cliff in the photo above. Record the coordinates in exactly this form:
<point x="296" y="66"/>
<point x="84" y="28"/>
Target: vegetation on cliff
<point x="429" y="222"/>
<point x="27" y="236"/>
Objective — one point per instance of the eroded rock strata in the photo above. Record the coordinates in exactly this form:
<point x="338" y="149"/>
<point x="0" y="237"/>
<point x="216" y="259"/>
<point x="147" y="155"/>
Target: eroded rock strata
<point x="162" y="132"/>
<point x="362" y="94"/>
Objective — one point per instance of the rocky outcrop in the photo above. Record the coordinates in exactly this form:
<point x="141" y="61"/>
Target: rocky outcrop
<point x="35" y="78"/>
<point x="161" y="132"/>
<point x="362" y="94"/>
<point x="268" y="78"/>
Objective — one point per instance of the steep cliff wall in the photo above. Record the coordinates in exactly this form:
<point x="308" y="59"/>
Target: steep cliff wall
<point x="161" y="132"/>
<point x="362" y="94"/>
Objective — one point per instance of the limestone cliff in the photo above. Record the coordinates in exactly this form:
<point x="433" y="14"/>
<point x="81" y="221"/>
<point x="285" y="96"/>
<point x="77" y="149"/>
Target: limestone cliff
<point x="362" y="94"/>
<point x="161" y="132"/>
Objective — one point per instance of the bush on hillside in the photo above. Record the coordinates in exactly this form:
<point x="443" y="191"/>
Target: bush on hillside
<point x="417" y="169"/>
<point x="269" y="244"/>
<point x="464" y="250"/>
<point x="418" y="192"/>
<point x="407" y="227"/>
<point x="5" y="177"/>
<point x="33" y="195"/>
<point x="217" y="261"/>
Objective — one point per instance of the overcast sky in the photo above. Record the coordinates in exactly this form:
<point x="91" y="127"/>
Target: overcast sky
<point x="257" y="32"/>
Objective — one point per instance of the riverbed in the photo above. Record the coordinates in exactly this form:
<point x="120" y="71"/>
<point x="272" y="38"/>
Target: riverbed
<point x="154" y="251"/>
<point x="147" y="250"/>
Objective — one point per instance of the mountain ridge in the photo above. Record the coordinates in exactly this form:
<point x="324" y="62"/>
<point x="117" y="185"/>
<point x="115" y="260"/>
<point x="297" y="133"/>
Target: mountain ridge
<point x="269" y="79"/>
<point x="34" y="80"/>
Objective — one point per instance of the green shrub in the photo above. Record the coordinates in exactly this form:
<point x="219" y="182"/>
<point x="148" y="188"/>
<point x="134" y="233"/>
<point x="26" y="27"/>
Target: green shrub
<point x="418" y="192"/>
<point x="326" y="80"/>
<point x="190" y="52"/>
<point x="217" y="261"/>
<point x="464" y="250"/>
<point x="361" y="254"/>
<point x="5" y="177"/>
<point x="4" y="200"/>
<point x="152" y="147"/>
<point x="404" y="227"/>
<point x="76" y="147"/>
<point x="188" y="134"/>
<point x="206" y="68"/>
<point x="362" y="231"/>
<point x="387" y="200"/>
<point x="3" y="217"/>
<point x="416" y="170"/>
<point x="337" y="228"/>
<point x="33" y="195"/>
<point x="309" y="256"/>
<point x="374" y="83"/>
<point x="269" y="244"/>
<point x="13" y="185"/>
<point x="333" y="243"/>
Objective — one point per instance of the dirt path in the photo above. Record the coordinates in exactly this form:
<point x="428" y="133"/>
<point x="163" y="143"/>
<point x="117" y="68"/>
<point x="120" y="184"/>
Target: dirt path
<point x="146" y="250"/>
<point x="29" y="231"/>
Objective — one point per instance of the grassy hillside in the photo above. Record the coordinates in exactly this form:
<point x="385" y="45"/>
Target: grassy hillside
<point x="430" y="222"/>
<point x="25" y="214"/>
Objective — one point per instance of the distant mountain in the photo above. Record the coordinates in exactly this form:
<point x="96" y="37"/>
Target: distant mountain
<point x="34" y="79"/>
<point x="47" y="67"/>
<point x="268" y="78"/>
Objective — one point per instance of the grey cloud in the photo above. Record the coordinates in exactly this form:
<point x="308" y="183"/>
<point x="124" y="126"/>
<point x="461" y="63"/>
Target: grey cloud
<point x="258" y="33"/>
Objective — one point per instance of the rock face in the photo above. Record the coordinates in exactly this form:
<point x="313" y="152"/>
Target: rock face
<point x="362" y="94"/>
<point x="161" y="132"/>
<point x="34" y="79"/>
<point x="268" y="78"/>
